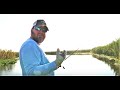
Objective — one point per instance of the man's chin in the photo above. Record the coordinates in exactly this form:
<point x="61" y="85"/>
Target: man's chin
<point x="40" y="42"/>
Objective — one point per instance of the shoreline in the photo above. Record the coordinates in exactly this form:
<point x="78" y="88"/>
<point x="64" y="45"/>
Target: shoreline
<point x="113" y="62"/>
<point x="5" y="62"/>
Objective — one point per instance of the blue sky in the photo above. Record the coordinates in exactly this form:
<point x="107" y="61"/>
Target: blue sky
<point x="66" y="31"/>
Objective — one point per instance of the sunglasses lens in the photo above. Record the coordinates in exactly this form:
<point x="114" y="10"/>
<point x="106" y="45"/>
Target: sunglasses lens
<point x="37" y="28"/>
<point x="44" y="29"/>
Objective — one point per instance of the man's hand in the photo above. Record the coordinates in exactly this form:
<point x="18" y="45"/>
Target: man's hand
<point x="60" y="57"/>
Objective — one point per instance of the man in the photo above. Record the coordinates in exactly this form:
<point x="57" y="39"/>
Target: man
<point x="33" y="60"/>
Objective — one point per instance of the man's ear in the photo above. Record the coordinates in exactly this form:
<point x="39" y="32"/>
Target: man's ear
<point x="32" y="32"/>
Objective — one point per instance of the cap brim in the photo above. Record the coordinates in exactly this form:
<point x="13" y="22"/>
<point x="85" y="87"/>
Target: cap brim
<point x="46" y="28"/>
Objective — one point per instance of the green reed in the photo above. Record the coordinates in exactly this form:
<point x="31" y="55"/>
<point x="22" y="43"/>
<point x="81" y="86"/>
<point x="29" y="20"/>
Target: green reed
<point x="7" y="54"/>
<point x="111" y="49"/>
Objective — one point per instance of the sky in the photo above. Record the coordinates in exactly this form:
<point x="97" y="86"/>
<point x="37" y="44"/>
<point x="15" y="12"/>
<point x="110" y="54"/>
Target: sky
<point x="66" y="31"/>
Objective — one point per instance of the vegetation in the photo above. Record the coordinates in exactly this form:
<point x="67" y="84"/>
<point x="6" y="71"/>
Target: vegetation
<point x="78" y="52"/>
<point x="7" y="62"/>
<point x="7" y="54"/>
<point x="112" y="49"/>
<point x="7" y="57"/>
<point x="110" y="54"/>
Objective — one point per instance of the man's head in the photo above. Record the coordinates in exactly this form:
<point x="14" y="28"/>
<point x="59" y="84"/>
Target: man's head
<point x="38" y="31"/>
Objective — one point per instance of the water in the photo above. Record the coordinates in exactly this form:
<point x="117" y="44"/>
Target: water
<point x="11" y="70"/>
<point x="76" y="65"/>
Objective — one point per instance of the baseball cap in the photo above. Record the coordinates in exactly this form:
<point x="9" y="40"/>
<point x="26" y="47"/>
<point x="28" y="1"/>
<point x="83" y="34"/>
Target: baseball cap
<point x="40" y="25"/>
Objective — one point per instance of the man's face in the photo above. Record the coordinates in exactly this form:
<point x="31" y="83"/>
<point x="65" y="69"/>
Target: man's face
<point x="38" y="36"/>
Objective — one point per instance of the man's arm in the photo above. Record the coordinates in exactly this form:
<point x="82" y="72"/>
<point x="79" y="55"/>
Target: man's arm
<point x="31" y="62"/>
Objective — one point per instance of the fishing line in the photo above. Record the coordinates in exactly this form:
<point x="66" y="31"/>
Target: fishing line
<point x="69" y="56"/>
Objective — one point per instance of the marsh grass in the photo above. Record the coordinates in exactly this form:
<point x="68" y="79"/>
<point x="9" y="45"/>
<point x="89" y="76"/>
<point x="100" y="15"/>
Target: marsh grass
<point x="112" y="49"/>
<point x="7" y="57"/>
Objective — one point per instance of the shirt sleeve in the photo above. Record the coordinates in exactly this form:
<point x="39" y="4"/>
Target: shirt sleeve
<point x="31" y="62"/>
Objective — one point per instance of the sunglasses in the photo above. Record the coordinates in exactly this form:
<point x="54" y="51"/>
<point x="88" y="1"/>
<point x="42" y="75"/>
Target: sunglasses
<point x="43" y="28"/>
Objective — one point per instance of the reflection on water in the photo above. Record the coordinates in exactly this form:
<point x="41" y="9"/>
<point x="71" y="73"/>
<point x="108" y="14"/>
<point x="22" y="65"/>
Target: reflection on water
<point x="114" y="67"/>
<point x="112" y="64"/>
<point x="11" y="70"/>
<point x="84" y="65"/>
<point x="76" y="65"/>
<point x="6" y="69"/>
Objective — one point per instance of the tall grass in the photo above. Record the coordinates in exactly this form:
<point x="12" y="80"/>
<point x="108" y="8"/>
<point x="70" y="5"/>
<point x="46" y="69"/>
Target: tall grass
<point x="111" y="49"/>
<point x="7" y="54"/>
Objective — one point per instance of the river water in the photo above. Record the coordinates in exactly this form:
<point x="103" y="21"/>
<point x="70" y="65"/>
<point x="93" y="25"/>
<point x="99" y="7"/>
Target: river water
<point x="76" y="65"/>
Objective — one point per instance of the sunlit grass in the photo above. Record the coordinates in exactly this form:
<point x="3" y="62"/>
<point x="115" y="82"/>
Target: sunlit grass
<point x="7" y="57"/>
<point x="112" y="49"/>
<point x="7" y="62"/>
<point x="110" y="54"/>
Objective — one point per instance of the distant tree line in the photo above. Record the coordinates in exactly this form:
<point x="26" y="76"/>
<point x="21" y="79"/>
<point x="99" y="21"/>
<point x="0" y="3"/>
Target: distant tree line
<point x="69" y="52"/>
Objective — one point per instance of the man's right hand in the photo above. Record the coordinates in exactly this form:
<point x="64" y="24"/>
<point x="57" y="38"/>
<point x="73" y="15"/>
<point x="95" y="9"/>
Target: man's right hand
<point x="60" y="57"/>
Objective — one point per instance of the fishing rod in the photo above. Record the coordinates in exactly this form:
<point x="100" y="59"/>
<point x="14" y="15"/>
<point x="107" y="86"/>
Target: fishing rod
<point x="69" y="56"/>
